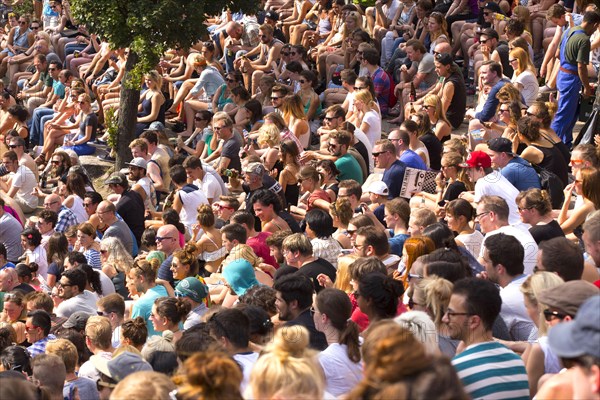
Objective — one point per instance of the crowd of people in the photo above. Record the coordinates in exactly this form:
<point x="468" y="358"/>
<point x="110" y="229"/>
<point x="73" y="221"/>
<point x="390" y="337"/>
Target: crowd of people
<point x="313" y="207"/>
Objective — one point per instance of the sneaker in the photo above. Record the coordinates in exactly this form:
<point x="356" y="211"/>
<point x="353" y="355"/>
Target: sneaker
<point x="106" y="157"/>
<point x="546" y="89"/>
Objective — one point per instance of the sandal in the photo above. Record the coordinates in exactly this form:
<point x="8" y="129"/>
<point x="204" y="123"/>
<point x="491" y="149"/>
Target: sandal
<point x="170" y="113"/>
<point x="175" y="120"/>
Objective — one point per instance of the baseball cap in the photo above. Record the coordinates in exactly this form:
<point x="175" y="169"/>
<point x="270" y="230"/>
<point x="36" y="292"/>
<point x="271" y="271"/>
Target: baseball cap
<point x="581" y="336"/>
<point x="444" y="58"/>
<point x="138" y="162"/>
<point x="490" y="5"/>
<point x="378" y="187"/>
<point x="156" y="126"/>
<point x="117" y="179"/>
<point x="255" y="168"/>
<point x="500" y="145"/>
<point x="120" y="366"/>
<point x="569" y="296"/>
<point x="191" y="287"/>
<point x="489" y="32"/>
<point x="77" y="320"/>
<point x="477" y="159"/>
<point x="272" y="15"/>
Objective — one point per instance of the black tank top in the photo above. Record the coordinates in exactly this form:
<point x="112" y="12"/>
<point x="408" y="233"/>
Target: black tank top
<point x="458" y="104"/>
<point x="553" y="161"/>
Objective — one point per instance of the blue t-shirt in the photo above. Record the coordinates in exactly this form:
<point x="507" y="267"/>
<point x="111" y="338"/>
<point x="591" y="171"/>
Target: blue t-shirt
<point x="393" y="178"/>
<point x="143" y="306"/>
<point x="521" y="174"/>
<point x="164" y="271"/>
<point x="7" y="265"/>
<point x="397" y="242"/>
<point x="413" y="160"/>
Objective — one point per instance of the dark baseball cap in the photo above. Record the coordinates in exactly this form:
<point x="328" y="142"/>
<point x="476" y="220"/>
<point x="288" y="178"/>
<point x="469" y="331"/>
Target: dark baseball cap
<point x="491" y="33"/>
<point x="272" y="15"/>
<point x="490" y="5"/>
<point x="500" y="145"/>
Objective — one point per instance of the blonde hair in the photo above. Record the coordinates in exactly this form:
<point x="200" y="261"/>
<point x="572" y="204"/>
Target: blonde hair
<point x="342" y="276"/>
<point x="422" y="327"/>
<point x="437" y="292"/>
<point x="365" y="96"/>
<point x="269" y="134"/>
<point x="99" y="331"/>
<point x="524" y="61"/>
<point x="439" y="113"/>
<point x="288" y="367"/>
<point x="222" y="116"/>
<point x="66" y="350"/>
<point x="533" y="286"/>
<point x="144" y="385"/>
<point x="155" y="77"/>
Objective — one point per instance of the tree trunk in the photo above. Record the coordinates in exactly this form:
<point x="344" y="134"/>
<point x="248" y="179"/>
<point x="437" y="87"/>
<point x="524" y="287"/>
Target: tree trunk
<point x="128" y="107"/>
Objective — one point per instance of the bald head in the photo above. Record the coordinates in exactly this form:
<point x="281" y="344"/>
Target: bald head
<point x="167" y="239"/>
<point x="106" y="212"/>
<point x="53" y="203"/>
<point x="443" y="48"/>
<point x="234" y="30"/>
<point x="8" y="279"/>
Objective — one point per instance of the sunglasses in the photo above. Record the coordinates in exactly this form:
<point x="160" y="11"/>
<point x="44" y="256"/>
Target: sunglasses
<point x="550" y="315"/>
<point x="275" y="98"/>
<point x="302" y="81"/>
<point x="231" y="80"/>
<point x="55" y="162"/>
<point x="359" y="87"/>
<point x="503" y="110"/>
<point x="22" y="22"/>
<point x="13" y="146"/>
<point x="378" y="154"/>
<point x="198" y="119"/>
<point x="221" y="206"/>
<point x="52" y="69"/>
<point x="483" y="41"/>
<point x="529" y="114"/>
<point x="350" y="232"/>
<point x="285" y="53"/>
<point x="293" y="53"/>
<point x="329" y="118"/>
<point x="35" y="27"/>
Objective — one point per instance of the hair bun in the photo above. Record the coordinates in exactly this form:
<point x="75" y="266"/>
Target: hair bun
<point x="168" y="336"/>
<point x="291" y="341"/>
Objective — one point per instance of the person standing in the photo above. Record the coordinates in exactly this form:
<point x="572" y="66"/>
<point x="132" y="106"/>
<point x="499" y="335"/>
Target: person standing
<point x="574" y="56"/>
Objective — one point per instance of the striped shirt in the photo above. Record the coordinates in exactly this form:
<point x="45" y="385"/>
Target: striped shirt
<point x="491" y="371"/>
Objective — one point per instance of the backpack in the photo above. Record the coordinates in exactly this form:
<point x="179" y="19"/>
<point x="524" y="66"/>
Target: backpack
<point x="552" y="184"/>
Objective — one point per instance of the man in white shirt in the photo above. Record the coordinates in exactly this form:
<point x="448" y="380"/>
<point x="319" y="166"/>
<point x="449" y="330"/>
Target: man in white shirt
<point x="503" y="262"/>
<point x="206" y="182"/>
<point x="492" y="216"/>
<point x="71" y="289"/>
<point x="489" y="182"/>
<point x="21" y="184"/>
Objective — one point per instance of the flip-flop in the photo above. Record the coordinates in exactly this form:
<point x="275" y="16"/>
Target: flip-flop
<point x="174" y="120"/>
<point x="170" y="113"/>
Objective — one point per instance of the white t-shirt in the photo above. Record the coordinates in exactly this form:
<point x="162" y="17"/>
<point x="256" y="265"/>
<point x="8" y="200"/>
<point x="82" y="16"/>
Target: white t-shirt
<point x="391" y="9"/>
<point x="210" y="186"/>
<point x="150" y="200"/>
<point x="530" y="86"/>
<point x="190" y="202"/>
<point x="38" y="256"/>
<point x="79" y="210"/>
<point x="527" y="241"/>
<point x="374" y="121"/>
<point x="341" y="374"/>
<point x="472" y="242"/>
<point x="88" y="370"/>
<point x="495" y="184"/>
<point x="513" y="310"/>
<point x="85" y="302"/>
<point x="246" y="361"/>
<point x="24" y="179"/>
